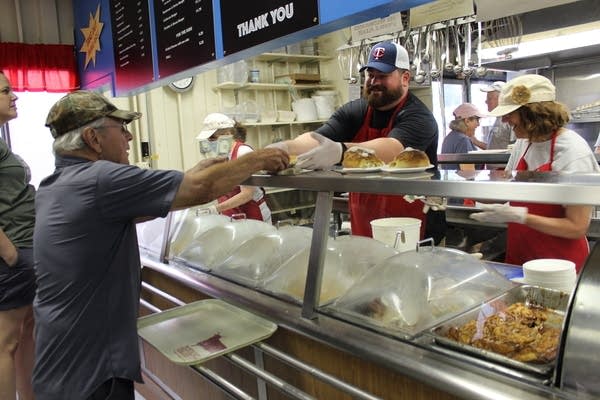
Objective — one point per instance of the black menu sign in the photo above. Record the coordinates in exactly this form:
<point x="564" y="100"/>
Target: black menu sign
<point x="131" y="44"/>
<point x="249" y="23"/>
<point x="185" y="34"/>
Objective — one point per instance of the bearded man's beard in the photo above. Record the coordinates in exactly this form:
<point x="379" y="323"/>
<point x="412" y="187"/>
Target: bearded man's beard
<point x="383" y="96"/>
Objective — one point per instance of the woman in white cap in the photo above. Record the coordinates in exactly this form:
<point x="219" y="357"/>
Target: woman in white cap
<point x="248" y="200"/>
<point x="528" y="104"/>
<point x="460" y="138"/>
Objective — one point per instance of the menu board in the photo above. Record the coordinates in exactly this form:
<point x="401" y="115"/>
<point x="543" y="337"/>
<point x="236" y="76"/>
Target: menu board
<point x="131" y="44"/>
<point x="249" y="23"/>
<point x="184" y="33"/>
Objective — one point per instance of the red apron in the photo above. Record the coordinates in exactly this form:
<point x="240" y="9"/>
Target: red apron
<point x="251" y="208"/>
<point x="365" y="207"/>
<point x="525" y="243"/>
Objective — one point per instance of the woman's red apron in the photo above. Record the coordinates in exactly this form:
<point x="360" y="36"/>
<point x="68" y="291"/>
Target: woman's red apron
<point x="525" y="243"/>
<point x="365" y="207"/>
<point x="251" y="208"/>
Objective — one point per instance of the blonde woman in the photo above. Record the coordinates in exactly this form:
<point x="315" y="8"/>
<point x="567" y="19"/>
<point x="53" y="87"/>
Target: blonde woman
<point x="17" y="279"/>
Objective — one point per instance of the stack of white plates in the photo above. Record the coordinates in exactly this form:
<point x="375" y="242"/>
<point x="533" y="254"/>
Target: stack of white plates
<point x="550" y="273"/>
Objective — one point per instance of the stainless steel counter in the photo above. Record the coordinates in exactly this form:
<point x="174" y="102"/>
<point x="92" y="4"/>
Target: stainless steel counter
<point x="542" y="187"/>
<point x="478" y="158"/>
<point x="417" y="359"/>
<point x="473" y="158"/>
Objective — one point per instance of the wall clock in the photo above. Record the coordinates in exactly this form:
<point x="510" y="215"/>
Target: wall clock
<point x="182" y="85"/>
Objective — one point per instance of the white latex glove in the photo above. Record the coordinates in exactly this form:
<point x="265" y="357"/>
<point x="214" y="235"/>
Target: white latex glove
<point x="279" y="145"/>
<point x="212" y="209"/>
<point x="500" y="213"/>
<point x="325" y="155"/>
<point x="429" y="202"/>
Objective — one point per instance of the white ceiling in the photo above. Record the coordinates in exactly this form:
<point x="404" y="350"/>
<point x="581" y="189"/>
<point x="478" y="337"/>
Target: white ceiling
<point x="36" y="21"/>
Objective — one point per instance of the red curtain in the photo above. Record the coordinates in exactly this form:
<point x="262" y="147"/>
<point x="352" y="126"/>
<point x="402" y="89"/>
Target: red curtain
<point x="39" y="67"/>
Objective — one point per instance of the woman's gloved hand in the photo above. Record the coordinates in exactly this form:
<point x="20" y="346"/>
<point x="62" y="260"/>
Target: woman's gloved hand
<point x="500" y="213"/>
<point x="211" y="209"/>
<point x="279" y="145"/>
<point x="325" y="155"/>
<point x="434" y="203"/>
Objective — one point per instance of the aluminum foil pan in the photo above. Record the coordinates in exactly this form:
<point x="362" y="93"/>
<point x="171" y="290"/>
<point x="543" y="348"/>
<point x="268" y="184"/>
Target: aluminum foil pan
<point x="555" y="301"/>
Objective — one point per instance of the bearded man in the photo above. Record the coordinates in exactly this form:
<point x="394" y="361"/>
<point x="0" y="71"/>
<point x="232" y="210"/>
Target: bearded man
<point x="387" y="119"/>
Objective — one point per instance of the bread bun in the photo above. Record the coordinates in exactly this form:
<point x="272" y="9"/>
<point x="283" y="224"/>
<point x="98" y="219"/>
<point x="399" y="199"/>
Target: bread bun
<point x="410" y="158"/>
<point x="361" y="157"/>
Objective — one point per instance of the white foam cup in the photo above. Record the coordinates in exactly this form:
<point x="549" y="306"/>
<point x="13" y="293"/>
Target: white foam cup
<point x="400" y="232"/>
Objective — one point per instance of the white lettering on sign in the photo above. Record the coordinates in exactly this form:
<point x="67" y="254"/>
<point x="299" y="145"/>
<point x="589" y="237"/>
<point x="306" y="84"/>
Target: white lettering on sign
<point x="260" y="22"/>
<point x="282" y="13"/>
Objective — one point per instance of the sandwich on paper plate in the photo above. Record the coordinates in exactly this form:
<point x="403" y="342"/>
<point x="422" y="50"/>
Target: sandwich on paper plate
<point x="360" y="157"/>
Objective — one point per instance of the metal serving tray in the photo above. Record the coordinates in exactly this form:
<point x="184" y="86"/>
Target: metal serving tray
<point x="205" y="329"/>
<point x="553" y="300"/>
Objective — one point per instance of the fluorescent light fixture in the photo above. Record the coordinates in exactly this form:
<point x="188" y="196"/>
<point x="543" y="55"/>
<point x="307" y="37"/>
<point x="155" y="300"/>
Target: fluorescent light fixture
<point x="528" y="48"/>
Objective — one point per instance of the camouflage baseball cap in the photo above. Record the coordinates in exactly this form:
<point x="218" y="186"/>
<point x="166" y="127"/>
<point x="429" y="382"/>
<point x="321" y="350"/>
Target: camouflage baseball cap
<point x="82" y="107"/>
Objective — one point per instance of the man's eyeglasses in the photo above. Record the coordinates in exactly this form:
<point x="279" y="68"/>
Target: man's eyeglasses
<point x="123" y="127"/>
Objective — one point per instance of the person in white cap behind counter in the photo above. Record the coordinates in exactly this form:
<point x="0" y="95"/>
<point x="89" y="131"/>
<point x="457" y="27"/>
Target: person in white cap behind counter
<point x="248" y="200"/>
<point x="501" y="134"/>
<point x="387" y="119"/>
<point x="528" y="104"/>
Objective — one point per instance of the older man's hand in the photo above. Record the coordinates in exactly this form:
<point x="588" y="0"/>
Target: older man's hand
<point x="207" y="163"/>
<point x="325" y="155"/>
<point x="273" y="159"/>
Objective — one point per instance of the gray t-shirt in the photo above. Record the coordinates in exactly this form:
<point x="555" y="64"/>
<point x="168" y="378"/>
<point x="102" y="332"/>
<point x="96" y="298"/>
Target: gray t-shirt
<point x="88" y="272"/>
<point x="501" y="135"/>
<point x="17" y="214"/>
<point x="414" y="126"/>
<point x="456" y="142"/>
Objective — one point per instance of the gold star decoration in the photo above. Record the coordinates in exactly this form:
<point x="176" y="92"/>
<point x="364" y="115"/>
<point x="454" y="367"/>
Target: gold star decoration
<point x="91" y="43"/>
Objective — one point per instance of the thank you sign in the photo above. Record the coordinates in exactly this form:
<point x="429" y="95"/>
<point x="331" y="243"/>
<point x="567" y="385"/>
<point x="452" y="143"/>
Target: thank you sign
<point x="248" y="23"/>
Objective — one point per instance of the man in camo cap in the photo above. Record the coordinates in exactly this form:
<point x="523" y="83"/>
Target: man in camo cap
<point x="85" y="244"/>
<point x="81" y="107"/>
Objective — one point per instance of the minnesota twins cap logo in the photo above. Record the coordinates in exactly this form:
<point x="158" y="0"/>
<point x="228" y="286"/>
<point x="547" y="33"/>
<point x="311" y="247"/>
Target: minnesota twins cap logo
<point x="378" y="53"/>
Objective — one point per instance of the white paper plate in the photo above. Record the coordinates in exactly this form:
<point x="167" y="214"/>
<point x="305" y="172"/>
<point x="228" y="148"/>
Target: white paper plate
<point x="564" y="288"/>
<point x="360" y="170"/>
<point x="407" y="176"/>
<point x="405" y="170"/>
<point x="490" y="151"/>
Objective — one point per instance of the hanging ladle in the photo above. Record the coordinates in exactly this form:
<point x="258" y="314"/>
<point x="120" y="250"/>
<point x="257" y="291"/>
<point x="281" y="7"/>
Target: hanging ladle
<point x="448" y="66"/>
<point x="434" y="72"/>
<point x="468" y="68"/>
<point x="420" y="74"/>
<point x="480" y="71"/>
<point x="458" y="66"/>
